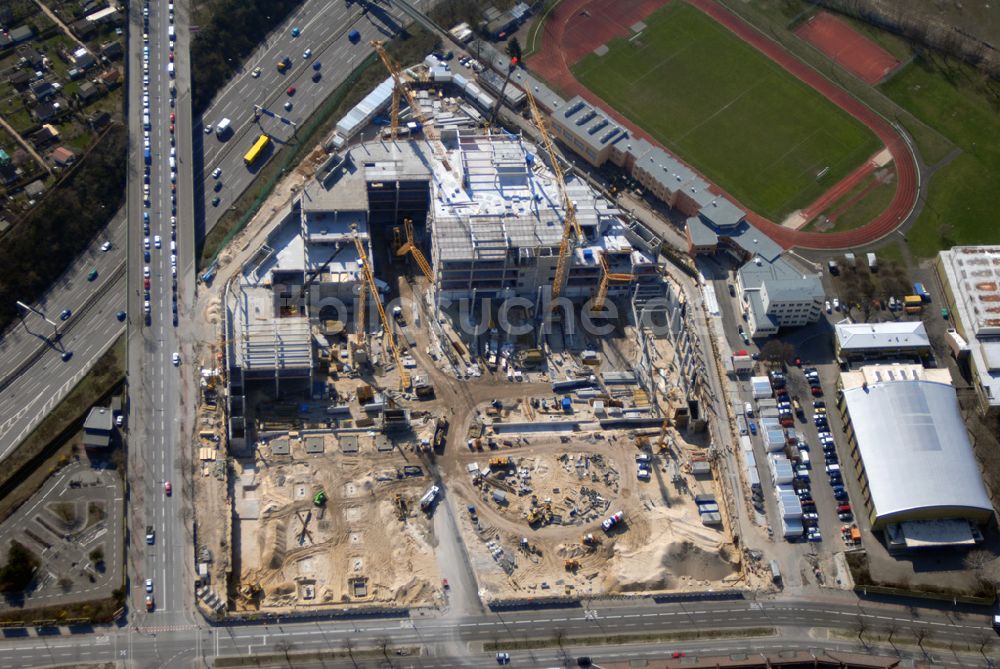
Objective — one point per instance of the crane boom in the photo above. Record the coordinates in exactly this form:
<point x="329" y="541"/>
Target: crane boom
<point x="386" y="324"/>
<point x="399" y="86"/>
<point x="570" y="225"/>
<point x="409" y="246"/>
<point x="607" y="278"/>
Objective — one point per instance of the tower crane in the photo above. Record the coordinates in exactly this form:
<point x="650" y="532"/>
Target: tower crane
<point x="410" y="246"/>
<point x="607" y="278"/>
<point x="570" y="225"/>
<point x="400" y="87"/>
<point x="366" y="269"/>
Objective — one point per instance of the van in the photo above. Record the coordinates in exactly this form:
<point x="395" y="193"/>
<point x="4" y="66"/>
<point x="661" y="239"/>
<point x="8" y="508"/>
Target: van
<point x="171" y="34"/>
<point x="170" y="69"/>
<point x="804" y="458"/>
<point x="833" y="469"/>
<point x="145" y="122"/>
<point x="173" y="163"/>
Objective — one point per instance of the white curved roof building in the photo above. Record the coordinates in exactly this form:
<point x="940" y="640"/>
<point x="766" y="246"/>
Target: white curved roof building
<point x="913" y="452"/>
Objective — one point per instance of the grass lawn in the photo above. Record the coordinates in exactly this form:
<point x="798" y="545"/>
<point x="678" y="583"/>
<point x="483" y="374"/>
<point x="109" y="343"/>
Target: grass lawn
<point x="721" y="105"/>
<point x="963" y="106"/>
<point x="864" y="202"/>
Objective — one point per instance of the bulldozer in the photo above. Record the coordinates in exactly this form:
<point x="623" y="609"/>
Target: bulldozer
<point x="572" y="564"/>
<point x="589" y="540"/>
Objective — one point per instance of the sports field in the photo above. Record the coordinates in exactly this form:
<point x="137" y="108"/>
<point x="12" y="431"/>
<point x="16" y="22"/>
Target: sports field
<point x="736" y="116"/>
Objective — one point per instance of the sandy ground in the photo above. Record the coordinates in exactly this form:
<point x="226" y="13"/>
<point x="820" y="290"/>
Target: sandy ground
<point x="356" y="537"/>
<point x="662" y="545"/>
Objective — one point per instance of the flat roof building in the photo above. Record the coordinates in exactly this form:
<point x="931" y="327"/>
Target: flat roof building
<point x="870" y="341"/>
<point x="971" y="277"/>
<point x="919" y="478"/>
<point x="776" y="295"/>
<point x="97" y="428"/>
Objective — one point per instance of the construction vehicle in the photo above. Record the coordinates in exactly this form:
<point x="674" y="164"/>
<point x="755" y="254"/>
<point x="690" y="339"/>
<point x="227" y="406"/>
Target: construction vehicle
<point x="427" y="501"/>
<point x="589" y="540"/>
<point x="496" y="108"/>
<point x="319" y="499"/>
<point x="400" y="503"/>
<point x="570" y="224"/>
<point x="410" y="246"/>
<point x="500" y="462"/>
<point x="366" y="268"/>
<point x="430" y="132"/>
<point x="661" y="444"/>
<point x="607" y="278"/>
<point x="571" y="564"/>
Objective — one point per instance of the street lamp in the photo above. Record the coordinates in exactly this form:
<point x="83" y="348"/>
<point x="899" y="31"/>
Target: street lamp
<point x="55" y="326"/>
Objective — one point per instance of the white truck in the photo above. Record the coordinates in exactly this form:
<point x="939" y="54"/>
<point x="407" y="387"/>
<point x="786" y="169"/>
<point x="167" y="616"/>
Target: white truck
<point x="222" y="127"/>
<point x="427" y="501"/>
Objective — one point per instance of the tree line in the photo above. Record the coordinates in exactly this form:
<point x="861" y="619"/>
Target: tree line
<point x="40" y="248"/>
<point x="219" y="48"/>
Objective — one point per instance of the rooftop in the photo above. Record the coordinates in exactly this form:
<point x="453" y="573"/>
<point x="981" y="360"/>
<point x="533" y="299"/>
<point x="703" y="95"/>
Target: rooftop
<point x="891" y="335"/>
<point x="915" y="448"/>
<point x="264" y="341"/>
<point x="589" y="124"/>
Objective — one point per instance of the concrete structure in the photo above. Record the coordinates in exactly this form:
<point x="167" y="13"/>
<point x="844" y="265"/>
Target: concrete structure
<point x="777" y="295"/>
<point x="870" y="341"/>
<point x="97" y="428"/>
<point x="971" y="278"/>
<point x="919" y="478"/>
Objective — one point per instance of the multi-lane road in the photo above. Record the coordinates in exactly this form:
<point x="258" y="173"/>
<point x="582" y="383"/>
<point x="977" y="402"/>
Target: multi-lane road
<point x="324" y="28"/>
<point x="948" y="637"/>
<point x="160" y="251"/>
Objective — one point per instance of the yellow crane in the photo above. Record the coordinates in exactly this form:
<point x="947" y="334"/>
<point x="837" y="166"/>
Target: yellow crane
<point x="369" y="281"/>
<point x="607" y="278"/>
<point x="410" y="246"/>
<point x="399" y="86"/>
<point x="570" y="224"/>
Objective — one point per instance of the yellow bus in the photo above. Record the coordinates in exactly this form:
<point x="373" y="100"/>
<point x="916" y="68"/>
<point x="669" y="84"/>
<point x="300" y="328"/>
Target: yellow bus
<point x="256" y="150"/>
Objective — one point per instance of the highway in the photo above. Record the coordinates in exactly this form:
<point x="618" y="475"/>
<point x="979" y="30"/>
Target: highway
<point x="797" y="625"/>
<point x="324" y="28"/>
<point x="34" y="377"/>
<point x="154" y="381"/>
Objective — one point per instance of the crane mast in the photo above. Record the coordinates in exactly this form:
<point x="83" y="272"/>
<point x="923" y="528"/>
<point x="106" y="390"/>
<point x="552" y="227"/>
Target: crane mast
<point x="399" y="86"/>
<point x="607" y="278"/>
<point x="570" y="225"/>
<point x="410" y="246"/>
<point x="369" y="281"/>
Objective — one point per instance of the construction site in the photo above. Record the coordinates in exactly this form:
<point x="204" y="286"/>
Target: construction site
<point x="447" y="320"/>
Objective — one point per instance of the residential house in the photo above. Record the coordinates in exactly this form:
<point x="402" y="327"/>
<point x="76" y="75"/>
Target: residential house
<point x="62" y="156"/>
<point x="83" y="59"/>
<point x="44" y="137"/>
<point x="21" y="34"/>
<point x="112" y="50"/>
<point x="35" y="189"/>
<point x="31" y="57"/>
<point x="83" y="29"/>
<point x="43" y="90"/>
<point x="20" y="79"/>
<point x="111" y="78"/>
<point x="99" y="120"/>
<point x="88" y="92"/>
<point x="45" y="111"/>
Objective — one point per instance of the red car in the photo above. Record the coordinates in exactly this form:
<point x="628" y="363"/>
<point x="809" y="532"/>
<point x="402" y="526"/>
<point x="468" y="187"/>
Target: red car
<point x="171" y="56"/>
<point x="678" y="654"/>
<point x="172" y="117"/>
<point x="291" y="90"/>
<point x="167" y="488"/>
<point x="145" y="283"/>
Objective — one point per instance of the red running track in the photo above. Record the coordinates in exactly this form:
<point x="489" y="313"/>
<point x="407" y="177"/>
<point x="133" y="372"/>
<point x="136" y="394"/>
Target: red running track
<point x="562" y="40"/>
<point x="842" y="43"/>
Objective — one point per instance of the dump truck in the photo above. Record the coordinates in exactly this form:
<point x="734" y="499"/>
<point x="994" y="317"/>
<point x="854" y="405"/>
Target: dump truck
<point x="427" y="501"/>
<point x="500" y="462"/>
<point x="613" y="520"/>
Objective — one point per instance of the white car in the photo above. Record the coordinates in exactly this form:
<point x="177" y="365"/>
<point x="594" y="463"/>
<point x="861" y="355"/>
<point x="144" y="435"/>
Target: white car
<point x="173" y="152"/>
<point x="149" y="585"/>
<point x="106" y="246"/>
<point x="256" y="72"/>
<point x="177" y="359"/>
<point x="829" y="309"/>
<point x="156" y="241"/>
<point x="173" y="247"/>
<point x="145" y="80"/>
<point x="748" y="409"/>
<point x="208" y="129"/>
<point x="145" y="103"/>
<point x="173" y="221"/>
<point x="173" y="260"/>
<point x="173" y="270"/>
<point x="307" y="53"/>
<point x="217" y="172"/>
<point x="145" y="272"/>
<point x="145" y="243"/>
<point x="836" y="304"/>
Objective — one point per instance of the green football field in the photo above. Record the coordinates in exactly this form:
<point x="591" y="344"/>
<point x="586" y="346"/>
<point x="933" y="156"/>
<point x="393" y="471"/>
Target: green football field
<point x="725" y="108"/>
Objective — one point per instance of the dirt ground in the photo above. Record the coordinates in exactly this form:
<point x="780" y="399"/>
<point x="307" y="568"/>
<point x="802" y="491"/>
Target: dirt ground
<point x="354" y="548"/>
<point x="585" y="477"/>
